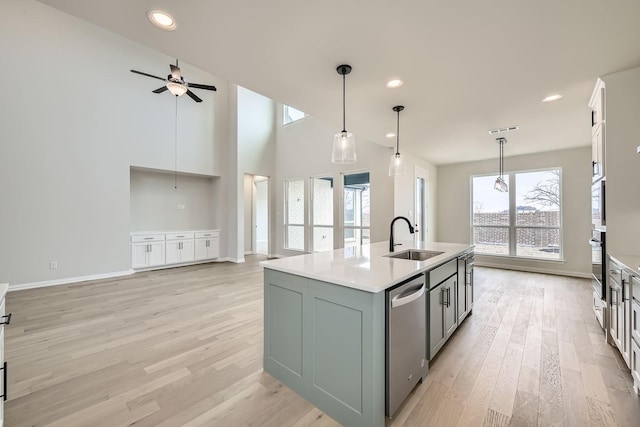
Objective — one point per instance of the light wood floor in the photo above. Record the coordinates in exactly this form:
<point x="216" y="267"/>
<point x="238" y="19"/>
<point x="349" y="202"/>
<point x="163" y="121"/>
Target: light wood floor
<point x="184" y="347"/>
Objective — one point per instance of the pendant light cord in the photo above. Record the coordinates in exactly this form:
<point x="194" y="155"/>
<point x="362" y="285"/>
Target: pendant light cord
<point x="398" y="135"/>
<point x="175" y="141"/>
<point x="344" y="114"/>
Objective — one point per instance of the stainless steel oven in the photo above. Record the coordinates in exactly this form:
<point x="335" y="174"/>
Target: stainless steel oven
<point x="598" y="262"/>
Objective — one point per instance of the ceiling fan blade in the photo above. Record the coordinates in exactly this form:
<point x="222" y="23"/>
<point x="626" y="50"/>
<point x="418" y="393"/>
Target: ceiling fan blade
<point x="200" y="86"/>
<point x="160" y="89"/>
<point x="148" y="75"/>
<point x="193" y="96"/>
<point x="175" y="71"/>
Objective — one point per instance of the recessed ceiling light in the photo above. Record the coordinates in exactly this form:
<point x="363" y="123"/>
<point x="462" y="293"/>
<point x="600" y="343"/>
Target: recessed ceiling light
<point x="161" y="19"/>
<point x="390" y="135"/>
<point x="392" y="84"/>
<point x="552" y="98"/>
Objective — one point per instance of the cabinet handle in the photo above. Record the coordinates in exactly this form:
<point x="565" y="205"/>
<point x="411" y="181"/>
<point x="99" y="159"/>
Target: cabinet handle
<point x="7" y="319"/>
<point x="449" y="296"/>
<point x="180" y="237"/>
<point x="4" y="381"/>
<point x="148" y="238"/>
<point x="208" y="243"/>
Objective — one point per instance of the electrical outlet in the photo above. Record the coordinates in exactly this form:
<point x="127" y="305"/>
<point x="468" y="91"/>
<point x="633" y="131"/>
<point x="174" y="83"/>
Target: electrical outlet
<point x="53" y="265"/>
<point x="180" y="205"/>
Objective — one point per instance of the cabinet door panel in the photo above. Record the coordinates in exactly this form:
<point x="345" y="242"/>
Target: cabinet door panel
<point x="139" y="255"/>
<point x="173" y="251"/>
<point x="214" y="248"/>
<point x="450" y="319"/>
<point x="187" y="251"/>
<point x="436" y="328"/>
<point x="201" y="247"/>
<point x="156" y="254"/>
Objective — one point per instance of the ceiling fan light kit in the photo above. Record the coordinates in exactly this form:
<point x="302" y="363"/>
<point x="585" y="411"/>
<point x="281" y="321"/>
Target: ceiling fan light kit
<point x="397" y="165"/>
<point x="176" y="83"/>
<point x="344" y="143"/>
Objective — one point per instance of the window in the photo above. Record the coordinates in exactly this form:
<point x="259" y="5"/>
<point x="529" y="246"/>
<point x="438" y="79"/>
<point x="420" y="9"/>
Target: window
<point x="291" y="115"/>
<point x="525" y="221"/>
<point x="322" y="214"/>
<point x="357" y="209"/>
<point x="294" y="215"/>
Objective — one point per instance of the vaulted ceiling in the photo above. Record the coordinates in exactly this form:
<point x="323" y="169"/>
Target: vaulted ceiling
<point x="468" y="66"/>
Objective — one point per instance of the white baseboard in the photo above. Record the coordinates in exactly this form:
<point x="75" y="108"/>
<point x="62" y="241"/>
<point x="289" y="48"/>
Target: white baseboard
<point x="68" y="280"/>
<point x="533" y="269"/>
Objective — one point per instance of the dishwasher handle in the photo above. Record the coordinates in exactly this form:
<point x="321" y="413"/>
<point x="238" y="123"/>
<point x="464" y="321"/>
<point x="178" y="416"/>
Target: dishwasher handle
<point x="400" y="300"/>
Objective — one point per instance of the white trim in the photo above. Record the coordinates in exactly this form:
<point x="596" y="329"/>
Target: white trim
<point x="533" y="269"/>
<point x="68" y="280"/>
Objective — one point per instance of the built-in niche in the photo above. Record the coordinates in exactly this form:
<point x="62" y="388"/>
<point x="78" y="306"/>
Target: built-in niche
<point x="157" y="205"/>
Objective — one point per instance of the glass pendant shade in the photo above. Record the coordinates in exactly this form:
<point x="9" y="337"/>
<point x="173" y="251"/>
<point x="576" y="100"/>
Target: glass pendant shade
<point x="397" y="165"/>
<point x="500" y="185"/>
<point x="176" y="88"/>
<point x="344" y="148"/>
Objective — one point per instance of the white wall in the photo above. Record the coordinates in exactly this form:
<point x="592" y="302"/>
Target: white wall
<point x="404" y="196"/>
<point x="304" y="150"/>
<point x="622" y="93"/>
<point x="454" y="210"/>
<point x="254" y="155"/>
<point x="73" y="120"/>
<point x="155" y="201"/>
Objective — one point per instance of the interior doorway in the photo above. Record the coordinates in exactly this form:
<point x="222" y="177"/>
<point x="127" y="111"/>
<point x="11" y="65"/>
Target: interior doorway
<point x="256" y="214"/>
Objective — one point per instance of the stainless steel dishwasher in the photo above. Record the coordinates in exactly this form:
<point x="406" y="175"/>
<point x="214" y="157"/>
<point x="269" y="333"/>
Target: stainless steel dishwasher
<point x="406" y="340"/>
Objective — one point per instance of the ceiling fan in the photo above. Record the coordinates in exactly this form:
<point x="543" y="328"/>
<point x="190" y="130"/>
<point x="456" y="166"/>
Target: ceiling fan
<point x="176" y="84"/>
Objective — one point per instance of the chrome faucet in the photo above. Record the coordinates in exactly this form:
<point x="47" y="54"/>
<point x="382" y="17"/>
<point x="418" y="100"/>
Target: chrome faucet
<point x="411" y="230"/>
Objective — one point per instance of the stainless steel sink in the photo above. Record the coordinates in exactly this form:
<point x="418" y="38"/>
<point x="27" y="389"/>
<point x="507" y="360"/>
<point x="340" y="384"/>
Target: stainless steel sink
<point x="415" y="254"/>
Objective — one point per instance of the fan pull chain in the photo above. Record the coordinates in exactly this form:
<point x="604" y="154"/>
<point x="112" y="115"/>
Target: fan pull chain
<point x="175" y="139"/>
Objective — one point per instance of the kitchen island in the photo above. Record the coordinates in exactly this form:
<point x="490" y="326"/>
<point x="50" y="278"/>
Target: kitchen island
<point x="324" y="327"/>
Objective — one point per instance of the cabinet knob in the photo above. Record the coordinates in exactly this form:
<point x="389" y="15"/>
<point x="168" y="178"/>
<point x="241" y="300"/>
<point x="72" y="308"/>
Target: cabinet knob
<point x="7" y="319"/>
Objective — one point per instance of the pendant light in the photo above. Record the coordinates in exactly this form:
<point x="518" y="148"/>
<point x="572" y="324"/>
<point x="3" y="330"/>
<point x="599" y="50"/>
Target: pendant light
<point x="344" y="144"/>
<point x="397" y="165"/>
<point x="500" y="184"/>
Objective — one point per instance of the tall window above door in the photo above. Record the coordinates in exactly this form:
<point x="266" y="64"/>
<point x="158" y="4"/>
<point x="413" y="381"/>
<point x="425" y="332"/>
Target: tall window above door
<point x="322" y="214"/>
<point x="294" y="218"/>
<point x="524" y="222"/>
<point x="357" y="209"/>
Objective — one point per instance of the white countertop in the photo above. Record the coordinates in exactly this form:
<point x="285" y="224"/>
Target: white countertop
<point x="140" y="233"/>
<point x="632" y="262"/>
<point x="365" y="267"/>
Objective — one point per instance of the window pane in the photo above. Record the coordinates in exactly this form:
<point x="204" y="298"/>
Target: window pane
<point x="291" y="114"/>
<point x="322" y="239"/>
<point x="538" y="198"/>
<point x="491" y="240"/>
<point x="295" y="237"/>
<point x="538" y="242"/>
<point x="295" y="202"/>
<point x="490" y="207"/>
<point x="322" y="201"/>
<point x="357" y="205"/>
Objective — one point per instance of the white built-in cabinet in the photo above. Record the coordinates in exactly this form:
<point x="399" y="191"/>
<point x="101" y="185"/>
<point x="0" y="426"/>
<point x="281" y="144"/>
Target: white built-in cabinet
<point x="207" y="245"/>
<point x="179" y="248"/>
<point x="149" y="250"/>
<point x="597" y="104"/>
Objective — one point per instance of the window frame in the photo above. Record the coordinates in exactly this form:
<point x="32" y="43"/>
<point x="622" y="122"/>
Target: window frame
<point x="312" y="219"/>
<point x="513" y="227"/>
<point x="343" y="222"/>
<point x="286" y="221"/>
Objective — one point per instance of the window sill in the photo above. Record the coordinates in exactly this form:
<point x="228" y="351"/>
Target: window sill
<point x="520" y="258"/>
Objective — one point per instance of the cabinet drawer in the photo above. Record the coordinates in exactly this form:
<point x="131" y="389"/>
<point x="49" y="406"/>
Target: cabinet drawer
<point x="439" y="274"/>
<point x="207" y="233"/>
<point x="179" y="236"/>
<point x="147" y="238"/>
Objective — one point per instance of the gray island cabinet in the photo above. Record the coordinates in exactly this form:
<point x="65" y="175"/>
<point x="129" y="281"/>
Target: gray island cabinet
<point x="324" y="322"/>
